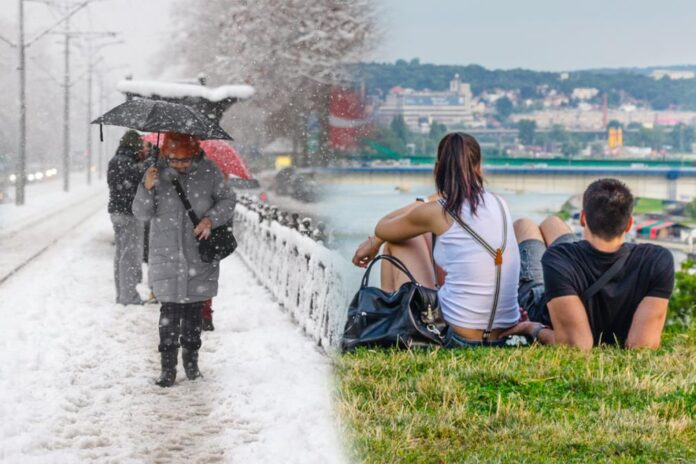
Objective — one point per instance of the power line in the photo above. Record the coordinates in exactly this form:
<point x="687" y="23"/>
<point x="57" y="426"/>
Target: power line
<point x="68" y="35"/>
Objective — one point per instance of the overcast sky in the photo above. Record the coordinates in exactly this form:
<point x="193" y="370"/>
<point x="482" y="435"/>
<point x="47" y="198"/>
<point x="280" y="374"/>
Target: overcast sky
<point x="535" y="34"/>
<point x="541" y="34"/>
<point x="143" y="26"/>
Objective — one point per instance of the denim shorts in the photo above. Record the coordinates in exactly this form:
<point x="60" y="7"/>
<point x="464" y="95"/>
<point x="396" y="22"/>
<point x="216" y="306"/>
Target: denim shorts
<point x="530" y="294"/>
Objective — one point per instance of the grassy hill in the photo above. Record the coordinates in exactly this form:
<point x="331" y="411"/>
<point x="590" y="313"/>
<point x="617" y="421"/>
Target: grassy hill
<point x="538" y="404"/>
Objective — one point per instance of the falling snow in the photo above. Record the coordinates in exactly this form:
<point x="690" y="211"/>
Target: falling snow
<point x="77" y="371"/>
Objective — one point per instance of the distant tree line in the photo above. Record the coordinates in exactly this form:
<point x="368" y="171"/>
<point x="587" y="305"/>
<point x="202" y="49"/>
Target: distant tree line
<point x="620" y="86"/>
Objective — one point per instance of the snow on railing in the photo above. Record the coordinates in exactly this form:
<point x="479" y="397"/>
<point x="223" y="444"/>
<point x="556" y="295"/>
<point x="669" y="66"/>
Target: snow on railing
<point x="290" y="260"/>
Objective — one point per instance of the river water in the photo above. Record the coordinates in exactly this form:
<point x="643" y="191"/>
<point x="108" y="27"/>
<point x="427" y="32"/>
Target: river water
<point x="353" y="211"/>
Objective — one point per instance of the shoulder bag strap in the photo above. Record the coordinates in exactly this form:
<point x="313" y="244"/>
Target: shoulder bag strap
<point x="606" y="277"/>
<point x="393" y="260"/>
<point x="187" y="205"/>
<point x="496" y="253"/>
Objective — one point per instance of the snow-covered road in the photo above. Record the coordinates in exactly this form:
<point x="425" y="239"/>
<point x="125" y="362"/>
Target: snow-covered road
<point x="76" y="370"/>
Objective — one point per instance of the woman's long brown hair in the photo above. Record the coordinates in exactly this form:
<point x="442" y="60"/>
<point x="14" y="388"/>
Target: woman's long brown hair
<point x="457" y="172"/>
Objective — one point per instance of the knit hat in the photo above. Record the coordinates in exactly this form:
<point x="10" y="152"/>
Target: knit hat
<point x="131" y="140"/>
<point x="174" y="140"/>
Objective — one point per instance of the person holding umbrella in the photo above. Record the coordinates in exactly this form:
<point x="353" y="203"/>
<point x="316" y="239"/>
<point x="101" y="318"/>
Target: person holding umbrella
<point x="233" y="168"/>
<point x="180" y="280"/>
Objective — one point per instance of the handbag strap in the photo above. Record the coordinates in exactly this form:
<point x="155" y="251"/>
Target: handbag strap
<point x="606" y="277"/>
<point x="393" y="260"/>
<point x="496" y="253"/>
<point x="187" y="205"/>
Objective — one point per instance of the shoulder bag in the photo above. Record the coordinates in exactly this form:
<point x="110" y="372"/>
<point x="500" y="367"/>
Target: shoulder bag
<point x="221" y="242"/>
<point x="409" y="317"/>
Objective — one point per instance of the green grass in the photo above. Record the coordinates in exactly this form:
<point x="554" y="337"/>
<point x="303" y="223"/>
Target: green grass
<point x="648" y="205"/>
<point x="538" y="404"/>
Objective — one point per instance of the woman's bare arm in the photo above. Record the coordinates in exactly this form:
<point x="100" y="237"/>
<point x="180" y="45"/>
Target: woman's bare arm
<point x="399" y="225"/>
<point x="410" y="221"/>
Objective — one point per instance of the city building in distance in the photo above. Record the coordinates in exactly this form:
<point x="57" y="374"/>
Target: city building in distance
<point x="420" y="108"/>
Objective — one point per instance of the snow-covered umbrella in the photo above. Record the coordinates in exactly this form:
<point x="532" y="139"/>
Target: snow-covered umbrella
<point x="148" y="115"/>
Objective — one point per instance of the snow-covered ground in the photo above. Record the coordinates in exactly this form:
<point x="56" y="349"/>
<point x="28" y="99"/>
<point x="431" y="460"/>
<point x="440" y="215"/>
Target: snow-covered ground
<point x="77" y="371"/>
<point x="49" y="214"/>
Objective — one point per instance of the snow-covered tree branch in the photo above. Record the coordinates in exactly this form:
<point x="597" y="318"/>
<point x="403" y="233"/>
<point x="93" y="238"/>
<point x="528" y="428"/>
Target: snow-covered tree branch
<point x="291" y="51"/>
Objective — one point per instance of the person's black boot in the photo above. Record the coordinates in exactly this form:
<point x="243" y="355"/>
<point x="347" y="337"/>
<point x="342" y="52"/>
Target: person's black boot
<point x="190" y="359"/>
<point x="168" y="375"/>
<point x="207" y="324"/>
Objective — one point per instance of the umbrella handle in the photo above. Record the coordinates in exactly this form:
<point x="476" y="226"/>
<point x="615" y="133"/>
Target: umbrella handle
<point x="101" y="133"/>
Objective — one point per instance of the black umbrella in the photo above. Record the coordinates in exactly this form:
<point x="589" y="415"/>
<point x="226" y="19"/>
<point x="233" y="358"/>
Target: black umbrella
<point x="159" y="116"/>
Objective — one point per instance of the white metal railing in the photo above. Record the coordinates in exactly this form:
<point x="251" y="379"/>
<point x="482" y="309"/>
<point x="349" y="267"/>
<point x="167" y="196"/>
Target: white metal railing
<point x="301" y="273"/>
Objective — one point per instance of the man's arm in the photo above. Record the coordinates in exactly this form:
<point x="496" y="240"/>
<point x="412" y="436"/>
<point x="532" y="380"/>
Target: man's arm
<point x="648" y="322"/>
<point x="570" y="324"/>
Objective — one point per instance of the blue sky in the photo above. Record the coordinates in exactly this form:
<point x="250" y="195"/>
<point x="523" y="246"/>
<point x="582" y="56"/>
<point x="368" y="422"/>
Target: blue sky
<point x="540" y="34"/>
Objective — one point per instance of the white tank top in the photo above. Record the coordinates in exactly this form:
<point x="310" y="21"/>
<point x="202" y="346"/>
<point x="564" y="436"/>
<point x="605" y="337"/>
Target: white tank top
<point x="466" y="298"/>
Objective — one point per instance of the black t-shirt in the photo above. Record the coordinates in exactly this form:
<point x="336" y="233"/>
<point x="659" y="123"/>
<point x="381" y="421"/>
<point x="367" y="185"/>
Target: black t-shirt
<point x="571" y="268"/>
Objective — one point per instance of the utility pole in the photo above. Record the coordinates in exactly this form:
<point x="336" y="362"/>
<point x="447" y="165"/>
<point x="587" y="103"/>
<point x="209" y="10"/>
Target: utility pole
<point x="90" y="70"/>
<point x="22" y="142"/>
<point x="91" y="65"/>
<point x="102" y="97"/>
<point x="21" y="47"/>
<point x="66" y="108"/>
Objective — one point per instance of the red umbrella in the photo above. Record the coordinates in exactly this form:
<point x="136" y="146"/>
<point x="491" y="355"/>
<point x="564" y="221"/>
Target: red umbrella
<point x="226" y="158"/>
<point x="220" y="153"/>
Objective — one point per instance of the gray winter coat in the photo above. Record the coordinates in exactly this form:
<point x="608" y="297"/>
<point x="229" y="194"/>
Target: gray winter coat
<point x="177" y="274"/>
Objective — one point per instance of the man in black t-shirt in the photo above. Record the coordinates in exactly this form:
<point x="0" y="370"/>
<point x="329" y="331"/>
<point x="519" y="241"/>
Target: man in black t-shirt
<point x="629" y="310"/>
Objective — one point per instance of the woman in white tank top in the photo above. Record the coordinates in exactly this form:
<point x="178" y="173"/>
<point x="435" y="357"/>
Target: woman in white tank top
<point x="458" y="264"/>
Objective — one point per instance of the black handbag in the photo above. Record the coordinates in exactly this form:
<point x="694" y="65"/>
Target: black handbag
<point x="409" y="317"/>
<point x="221" y="242"/>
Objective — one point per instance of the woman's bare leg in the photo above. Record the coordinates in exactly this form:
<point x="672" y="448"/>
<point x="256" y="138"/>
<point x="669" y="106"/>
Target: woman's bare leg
<point x="416" y="255"/>
<point x="526" y="229"/>
<point x="553" y="227"/>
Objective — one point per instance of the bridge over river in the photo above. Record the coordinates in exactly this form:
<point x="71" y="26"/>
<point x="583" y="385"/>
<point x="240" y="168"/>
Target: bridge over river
<point x="668" y="180"/>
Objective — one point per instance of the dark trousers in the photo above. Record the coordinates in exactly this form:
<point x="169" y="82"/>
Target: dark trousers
<point x="146" y="242"/>
<point x="127" y="262"/>
<point x="180" y="325"/>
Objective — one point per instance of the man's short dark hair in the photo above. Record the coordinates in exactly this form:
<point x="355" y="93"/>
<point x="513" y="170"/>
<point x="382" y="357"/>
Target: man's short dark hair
<point x="608" y="206"/>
